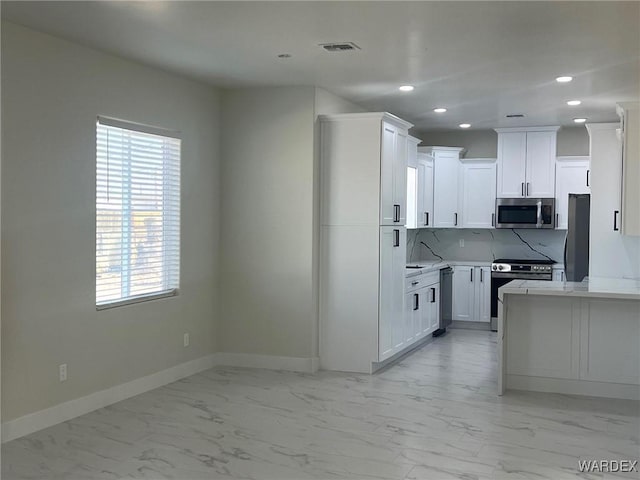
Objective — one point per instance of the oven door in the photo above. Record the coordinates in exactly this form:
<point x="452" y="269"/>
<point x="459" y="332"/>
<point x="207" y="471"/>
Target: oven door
<point x="525" y="213"/>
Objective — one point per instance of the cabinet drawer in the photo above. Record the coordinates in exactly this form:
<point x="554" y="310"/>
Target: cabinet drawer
<point x="420" y="281"/>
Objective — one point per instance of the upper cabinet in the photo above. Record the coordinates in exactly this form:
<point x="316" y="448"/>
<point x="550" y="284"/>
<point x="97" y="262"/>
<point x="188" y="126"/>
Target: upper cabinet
<point x="630" y="138"/>
<point x="446" y="172"/>
<point x="413" y="184"/>
<point x="572" y="176"/>
<point x="478" y="192"/>
<point x="424" y="217"/>
<point x="526" y="162"/>
<point x="363" y="169"/>
<point x="393" y="168"/>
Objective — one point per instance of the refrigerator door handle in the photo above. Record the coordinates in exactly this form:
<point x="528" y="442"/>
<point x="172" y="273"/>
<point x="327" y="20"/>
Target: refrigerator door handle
<point x="566" y="238"/>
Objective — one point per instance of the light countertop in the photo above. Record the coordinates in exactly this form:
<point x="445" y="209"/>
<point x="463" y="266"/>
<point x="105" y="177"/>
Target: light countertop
<point x="432" y="266"/>
<point x="594" y="287"/>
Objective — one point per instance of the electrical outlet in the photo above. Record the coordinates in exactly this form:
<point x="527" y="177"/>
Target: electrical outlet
<point x="186" y="340"/>
<point x="62" y="370"/>
<point x="462" y="243"/>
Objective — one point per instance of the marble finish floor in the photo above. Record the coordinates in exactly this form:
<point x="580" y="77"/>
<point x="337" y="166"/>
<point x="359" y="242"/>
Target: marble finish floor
<point x="435" y="415"/>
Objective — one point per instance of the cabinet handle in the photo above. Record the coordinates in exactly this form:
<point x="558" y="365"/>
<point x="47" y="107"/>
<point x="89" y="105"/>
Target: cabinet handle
<point x="471" y="273"/>
<point x="481" y="276"/>
<point x="562" y="275"/>
<point x="433" y="295"/>
<point x="396" y="238"/>
<point x="455" y="224"/>
<point x="557" y="219"/>
<point x="615" y="220"/>
<point x="396" y="213"/>
<point x="522" y="189"/>
<point x="493" y="219"/>
<point x="413" y="284"/>
<point x="426" y="218"/>
<point x="528" y="188"/>
<point x="588" y="178"/>
<point x="416" y="301"/>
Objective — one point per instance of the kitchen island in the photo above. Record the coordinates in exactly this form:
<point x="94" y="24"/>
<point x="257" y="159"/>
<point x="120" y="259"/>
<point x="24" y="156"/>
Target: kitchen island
<point x="574" y="338"/>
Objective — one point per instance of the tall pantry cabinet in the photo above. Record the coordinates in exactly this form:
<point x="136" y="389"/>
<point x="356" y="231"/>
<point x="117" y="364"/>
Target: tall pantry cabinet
<point x="363" y="168"/>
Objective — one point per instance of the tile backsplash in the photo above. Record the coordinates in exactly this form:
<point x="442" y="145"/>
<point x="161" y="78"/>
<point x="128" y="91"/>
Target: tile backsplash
<point x="484" y="244"/>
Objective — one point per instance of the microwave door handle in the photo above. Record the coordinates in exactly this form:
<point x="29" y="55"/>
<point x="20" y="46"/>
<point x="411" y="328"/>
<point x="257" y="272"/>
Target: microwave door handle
<point x="539" y="221"/>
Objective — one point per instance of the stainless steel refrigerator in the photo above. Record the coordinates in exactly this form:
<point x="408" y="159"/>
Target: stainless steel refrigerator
<point x="576" y="244"/>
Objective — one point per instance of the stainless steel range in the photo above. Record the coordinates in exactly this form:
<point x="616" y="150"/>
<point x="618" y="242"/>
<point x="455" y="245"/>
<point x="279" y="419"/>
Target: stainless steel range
<point x="503" y="270"/>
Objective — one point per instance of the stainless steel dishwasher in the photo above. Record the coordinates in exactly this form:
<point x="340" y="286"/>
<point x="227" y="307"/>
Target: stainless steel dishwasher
<point x="446" y="290"/>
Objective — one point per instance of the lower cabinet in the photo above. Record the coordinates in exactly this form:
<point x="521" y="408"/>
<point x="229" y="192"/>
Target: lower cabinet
<point x="471" y="293"/>
<point x="422" y="306"/>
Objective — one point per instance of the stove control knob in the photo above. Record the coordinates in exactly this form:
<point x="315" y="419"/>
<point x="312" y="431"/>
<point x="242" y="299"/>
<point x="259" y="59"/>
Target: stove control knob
<point x="500" y="267"/>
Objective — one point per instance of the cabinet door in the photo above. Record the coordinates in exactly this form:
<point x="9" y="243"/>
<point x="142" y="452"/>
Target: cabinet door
<point x="391" y="323"/>
<point x="425" y="191"/>
<point x="413" y="201"/>
<point x="478" y="191"/>
<point x="388" y="212"/>
<point x="558" y="275"/>
<point x="412" y="303"/>
<point x="434" y="308"/>
<point x="512" y="151"/>
<point x="482" y="278"/>
<point x="400" y="174"/>
<point x="541" y="159"/>
<point x="572" y="176"/>
<point x="463" y="296"/>
<point x="445" y="186"/>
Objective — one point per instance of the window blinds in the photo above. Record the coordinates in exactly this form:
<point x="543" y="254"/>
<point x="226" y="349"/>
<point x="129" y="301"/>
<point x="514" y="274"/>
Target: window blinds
<point x="137" y="212"/>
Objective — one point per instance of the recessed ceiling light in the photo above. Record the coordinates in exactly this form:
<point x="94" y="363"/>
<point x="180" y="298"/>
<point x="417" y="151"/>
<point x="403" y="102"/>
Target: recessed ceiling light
<point x="579" y="120"/>
<point x="464" y="125"/>
<point x="284" y="55"/>
<point x="573" y="103"/>
<point x="406" y="88"/>
<point x="439" y="110"/>
<point x="564" y="79"/>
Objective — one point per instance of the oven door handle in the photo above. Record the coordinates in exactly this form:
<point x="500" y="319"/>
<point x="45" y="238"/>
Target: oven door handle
<point x="539" y="214"/>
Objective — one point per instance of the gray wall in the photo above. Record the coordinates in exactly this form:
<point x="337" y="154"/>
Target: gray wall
<point x="484" y="143"/>
<point x="52" y="91"/>
<point x="267" y="221"/>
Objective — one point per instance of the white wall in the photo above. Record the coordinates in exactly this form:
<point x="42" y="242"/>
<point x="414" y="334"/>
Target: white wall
<point x="52" y="91"/>
<point x="484" y="143"/>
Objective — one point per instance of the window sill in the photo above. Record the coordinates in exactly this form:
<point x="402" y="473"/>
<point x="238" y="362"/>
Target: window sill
<point x="138" y="299"/>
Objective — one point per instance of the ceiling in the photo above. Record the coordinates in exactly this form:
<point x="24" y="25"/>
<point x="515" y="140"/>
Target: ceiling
<point x="480" y="60"/>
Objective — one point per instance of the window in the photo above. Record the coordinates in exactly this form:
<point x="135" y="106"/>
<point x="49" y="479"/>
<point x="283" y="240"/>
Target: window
<point x="137" y="212"/>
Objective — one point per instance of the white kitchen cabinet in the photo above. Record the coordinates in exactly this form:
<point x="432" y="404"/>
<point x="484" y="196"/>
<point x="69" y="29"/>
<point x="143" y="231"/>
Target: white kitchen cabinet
<point x="471" y="293"/>
<point x="512" y="164"/>
<point x="446" y="172"/>
<point x="464" y="293"/>
<point x="422" y="306"/>
<point x="483" y="293"/>
<point x="630" y="139"/>
<point x="557" y="275"/>
<point x="363" y="166"/>
<point x="572" y="176"/>
<point x="478" y="193"/>
<point x="431" y="322"/>
<point x="393" y="251"/>
<point x="425" y="191"/>
<point x="393" y="177"/>
<point x="526" y="162"/>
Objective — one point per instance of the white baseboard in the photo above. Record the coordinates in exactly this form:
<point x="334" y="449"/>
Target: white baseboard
<point x="270" y="362"/>
<point x="62" y="412"/>
<point x="573" y="387"/>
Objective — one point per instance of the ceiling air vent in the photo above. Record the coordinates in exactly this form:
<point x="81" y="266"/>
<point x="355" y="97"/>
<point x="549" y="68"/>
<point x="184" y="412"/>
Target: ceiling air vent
<point x="340" y="47"/>
<point x="515" y="115"/>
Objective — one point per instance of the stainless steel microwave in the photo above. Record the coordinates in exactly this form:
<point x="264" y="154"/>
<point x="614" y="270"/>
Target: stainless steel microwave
<point x="525" y="213"/>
